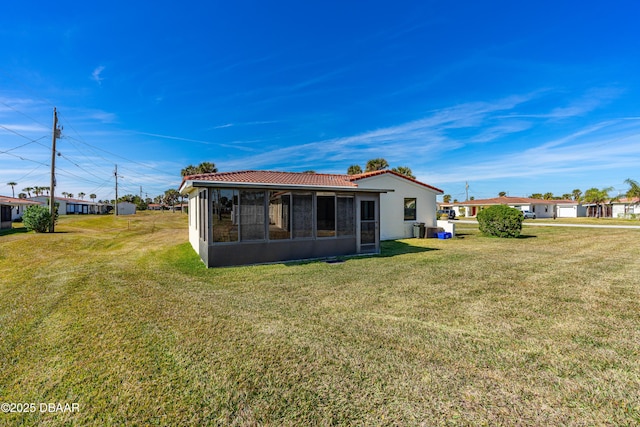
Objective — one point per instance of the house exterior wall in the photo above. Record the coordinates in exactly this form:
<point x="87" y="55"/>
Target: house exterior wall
<point x="392" y="223"/>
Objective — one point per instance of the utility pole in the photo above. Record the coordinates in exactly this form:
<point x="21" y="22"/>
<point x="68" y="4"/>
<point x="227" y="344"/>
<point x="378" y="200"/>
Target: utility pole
<point x="466" y="190"/>
<point x="52" y="199"/>
<point x="116" y="174"/>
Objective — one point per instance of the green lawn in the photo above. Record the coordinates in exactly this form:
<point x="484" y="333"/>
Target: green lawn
<point x="120" y="316"/>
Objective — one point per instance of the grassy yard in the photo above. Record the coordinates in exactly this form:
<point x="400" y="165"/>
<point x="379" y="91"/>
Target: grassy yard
<point x="120" y="316"/>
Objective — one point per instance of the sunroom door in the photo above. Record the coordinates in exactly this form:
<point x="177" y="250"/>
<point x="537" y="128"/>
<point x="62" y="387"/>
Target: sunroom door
<point x="368" y="225"/>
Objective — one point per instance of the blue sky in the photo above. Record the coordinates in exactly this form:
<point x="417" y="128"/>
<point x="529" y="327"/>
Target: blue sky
<point x="522" y="97"/>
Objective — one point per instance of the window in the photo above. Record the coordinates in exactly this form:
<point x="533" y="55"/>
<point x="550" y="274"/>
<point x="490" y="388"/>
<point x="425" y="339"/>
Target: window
<point x="224" y="215"/>
<point x="346" y="216"/>
<point x="252" y="215"/>
<point x="279" y="215"/>
<point x="326" y="215"/>
<point x="302" y="215"/>
<point x="410" y="209"/>
<point x="5" y="213"/>
<point x="203" y="214"/>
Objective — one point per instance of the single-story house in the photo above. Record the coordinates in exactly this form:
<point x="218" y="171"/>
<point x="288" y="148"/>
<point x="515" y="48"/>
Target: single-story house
<point x="68" y="206"/>
<point x="126" y="208"/>
<point x="12" y="209"/>
<point x="249" y="217"/>
<point x="616" y="208"/>
<point x="156" y="207"/>
<point x="542" y="208"/>
<point x="625" y="207"/>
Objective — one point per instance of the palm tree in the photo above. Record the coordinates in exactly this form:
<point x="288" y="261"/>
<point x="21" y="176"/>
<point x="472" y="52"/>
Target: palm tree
<point x="204" y="167"/>
<point x="47" y="189"/>
<point x="207" y="167"/>
<point x="81" y="195"/>
<point x="354" y="170"/>
<point x="70" y="195"/>
<point x="634" y="191"/>
<point x="376" y="165"/>
<point x="597" y="197"/>
<point x="22" y="196"/>
<point x="28" y="190"/>
<point x="446" y="198"/>
<point x="404" y="170"/>
<point x="12" y="184"/>
<point x="93" y="197"/>
<point x="170" y="198"/>
<point x="548" y="196"/>
<point x="577" y="194"/>
<point x="502" y="194"/>
<point x="65" y="194"/>
<point x="189" y="170"/>
<point x="536" y="196"/>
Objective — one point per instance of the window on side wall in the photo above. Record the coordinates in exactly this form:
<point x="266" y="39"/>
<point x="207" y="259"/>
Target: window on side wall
<point x="410" y="209"/>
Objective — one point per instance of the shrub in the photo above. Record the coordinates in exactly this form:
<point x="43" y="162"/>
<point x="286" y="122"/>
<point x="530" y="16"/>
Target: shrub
<point x="37" y="218"/>
<point x="500" y="221"/>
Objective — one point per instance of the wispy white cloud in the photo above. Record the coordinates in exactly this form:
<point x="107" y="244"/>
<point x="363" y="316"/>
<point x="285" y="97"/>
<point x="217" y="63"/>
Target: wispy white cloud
<point x="96" y="75"/>
<point x="403" y="143"/>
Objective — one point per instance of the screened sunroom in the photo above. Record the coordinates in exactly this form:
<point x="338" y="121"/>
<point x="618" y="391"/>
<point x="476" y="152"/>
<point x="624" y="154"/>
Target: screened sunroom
<point x="233" y="223"/>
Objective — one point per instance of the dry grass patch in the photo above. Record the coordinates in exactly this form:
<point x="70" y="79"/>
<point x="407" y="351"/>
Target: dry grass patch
<point x="120" y="315"/>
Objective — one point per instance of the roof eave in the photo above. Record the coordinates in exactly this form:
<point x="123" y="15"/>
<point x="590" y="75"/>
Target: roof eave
<point x="184" y="188"/>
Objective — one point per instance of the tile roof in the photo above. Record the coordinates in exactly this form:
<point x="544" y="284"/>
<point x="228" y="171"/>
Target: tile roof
<point x="16" y="201"/>
<point x="508" y="200"/>
<point x="295" y="178"/>
<point x="386" y="171"/>
<point x="626" y="200"/>
<point x="271" y="177"/>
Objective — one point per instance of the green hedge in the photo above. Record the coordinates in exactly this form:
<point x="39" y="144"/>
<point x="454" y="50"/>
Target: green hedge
<point x="500" y="221"/>
<point x="37" y="218"/>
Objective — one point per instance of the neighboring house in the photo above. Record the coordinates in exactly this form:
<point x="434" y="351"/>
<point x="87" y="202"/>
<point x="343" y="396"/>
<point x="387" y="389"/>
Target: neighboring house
<point x="542" y="208"/>
<point x="126" y="208"/>
<point x="625" y="207"/>
<point x="12" y="209"/>
<point x="67" y="206"/>
<point x="617" y="208"/>
<point x="251" y="217"/>
<point x="156" y="207"/>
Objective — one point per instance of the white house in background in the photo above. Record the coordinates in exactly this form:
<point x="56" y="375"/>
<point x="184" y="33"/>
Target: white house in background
<point x="126" y="208"/>
<point x="542" y="208"/>
<point x="12" y="209"/>
<point x="625" y="207"/>
<point x="410" y="201"/>
<point x="249" y="217"/>
<point x="67" y="206"/>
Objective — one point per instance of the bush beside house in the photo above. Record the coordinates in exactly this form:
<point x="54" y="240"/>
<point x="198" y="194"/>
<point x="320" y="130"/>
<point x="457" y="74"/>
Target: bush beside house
<point x="500" y="221"/>
<point x="37" y="218"/>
